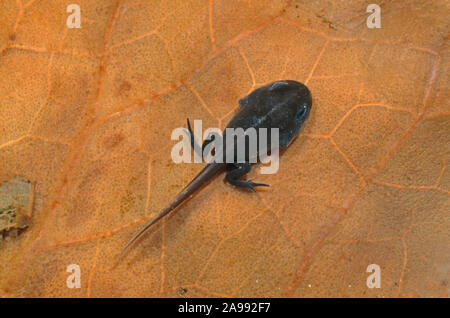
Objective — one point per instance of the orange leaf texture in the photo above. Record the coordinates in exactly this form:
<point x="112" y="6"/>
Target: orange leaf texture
<point x="86" y="116"/>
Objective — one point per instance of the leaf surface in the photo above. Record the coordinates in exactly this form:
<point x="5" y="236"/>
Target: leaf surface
<point x="86" y="116"/>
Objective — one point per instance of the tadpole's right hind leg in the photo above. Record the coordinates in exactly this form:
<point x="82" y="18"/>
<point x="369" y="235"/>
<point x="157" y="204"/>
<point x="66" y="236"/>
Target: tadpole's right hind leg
<point x="240" y="169"/>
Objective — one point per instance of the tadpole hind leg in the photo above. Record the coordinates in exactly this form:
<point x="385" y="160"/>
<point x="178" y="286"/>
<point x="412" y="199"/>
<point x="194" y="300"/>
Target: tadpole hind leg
<point x="209" y="139"/>
<point x="238" y="170"/>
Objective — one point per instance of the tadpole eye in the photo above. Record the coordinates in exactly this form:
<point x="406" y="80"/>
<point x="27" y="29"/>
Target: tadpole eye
<point x="301" y="112"/>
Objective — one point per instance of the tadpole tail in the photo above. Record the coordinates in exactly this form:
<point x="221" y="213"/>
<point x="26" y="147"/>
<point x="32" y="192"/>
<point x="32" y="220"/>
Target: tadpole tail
<point x="202" y="177"/>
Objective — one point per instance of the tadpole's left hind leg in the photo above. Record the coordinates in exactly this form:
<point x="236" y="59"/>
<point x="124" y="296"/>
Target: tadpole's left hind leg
<point x="240" y="169"/>
<point x="194" y="144"/>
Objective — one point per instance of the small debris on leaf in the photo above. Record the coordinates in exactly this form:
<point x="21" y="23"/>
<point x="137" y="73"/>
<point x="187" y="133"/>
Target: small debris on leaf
<point x="16" y="201"/>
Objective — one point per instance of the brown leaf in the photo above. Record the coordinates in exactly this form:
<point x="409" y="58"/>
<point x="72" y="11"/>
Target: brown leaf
<point x="86" y="116"/>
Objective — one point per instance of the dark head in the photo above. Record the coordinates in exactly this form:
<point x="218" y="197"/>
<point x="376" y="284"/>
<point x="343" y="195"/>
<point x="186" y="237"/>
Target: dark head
<point x="287" y="105"/>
